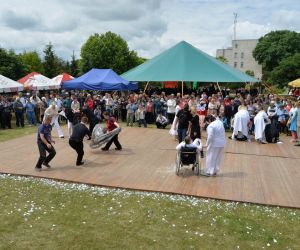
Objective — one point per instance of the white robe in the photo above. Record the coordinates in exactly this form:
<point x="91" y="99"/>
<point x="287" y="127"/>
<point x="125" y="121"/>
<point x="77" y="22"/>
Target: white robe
<point x="241" y="121"/>
<point x="173" y="130"/>
<point x="260" y="124"/>
<point x="54" y="115"/>
<point x="215" y="144"/>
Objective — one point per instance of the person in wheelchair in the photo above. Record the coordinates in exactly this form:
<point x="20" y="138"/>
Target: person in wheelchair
<point x="185" y="154"/>
<point x="189" y="143"/>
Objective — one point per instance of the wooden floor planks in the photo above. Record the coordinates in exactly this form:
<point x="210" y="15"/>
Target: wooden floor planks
<point x="265" y="174"/>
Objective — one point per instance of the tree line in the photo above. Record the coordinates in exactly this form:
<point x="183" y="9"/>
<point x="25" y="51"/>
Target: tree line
<point x="278" y="52"/>
<point x="107" y="50"/>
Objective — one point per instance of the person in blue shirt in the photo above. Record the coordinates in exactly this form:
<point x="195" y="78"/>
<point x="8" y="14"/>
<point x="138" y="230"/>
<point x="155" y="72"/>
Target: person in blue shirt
<point x="44" y="142"/>
<point x="30" y="113"/>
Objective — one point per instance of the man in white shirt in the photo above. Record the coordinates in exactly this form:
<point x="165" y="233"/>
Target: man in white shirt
<point x="215" y="144"/>
<point x="52" y="112"/>
<point x="171" y="103"/>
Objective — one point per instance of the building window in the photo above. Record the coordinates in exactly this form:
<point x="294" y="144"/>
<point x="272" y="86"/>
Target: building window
<point x="236" y="45"/>
<point x="235" y="64"/>
<point x="242" y="55"/>
<point x="242" y="65"/>
<point x="235" y="54"/>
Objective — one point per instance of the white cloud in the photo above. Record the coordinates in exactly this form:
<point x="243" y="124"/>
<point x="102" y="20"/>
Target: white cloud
<point x="149" y="26"/>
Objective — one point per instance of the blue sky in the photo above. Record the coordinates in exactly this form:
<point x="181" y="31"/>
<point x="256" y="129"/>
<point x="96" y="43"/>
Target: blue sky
<point x="149" y="26"/>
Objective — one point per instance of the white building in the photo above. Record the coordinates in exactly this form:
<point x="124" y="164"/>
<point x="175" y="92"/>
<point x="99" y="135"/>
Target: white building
<point x="240" y="56"/>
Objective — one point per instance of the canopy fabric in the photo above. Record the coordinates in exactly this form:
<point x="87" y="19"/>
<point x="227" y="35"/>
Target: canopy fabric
<point x="25" y="78"/>
<point x="62" y="78"/>
<point x="100" y="79"/>
<point x="37" y="81"/>
<point x="295" y="83"/>
<point x="7" y="85"/>
<point x="183" y="62"/>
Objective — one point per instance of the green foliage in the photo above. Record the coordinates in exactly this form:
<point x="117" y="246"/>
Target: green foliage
<point x="107" y="51"/>
<point x="287" y="71"/>
<point x="222" y="59"/>
<point x="52" y="64"/>
<point x="249" y="72"/>
<point x="32" y="62"/>
<point x="10" y="64"/>
<point x="74" y="69"/>
<point x="275" y="46"/>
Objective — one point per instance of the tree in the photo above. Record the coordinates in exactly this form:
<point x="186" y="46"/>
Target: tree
<point x="74" y="71"/>
<point x="32" y="62"/>
<point x="275" y="46"/>
<point x="222" y="59"/>
<point x="287" y="71"/>
<point x="249" y="72"/>
<point x="106" y="51"/>
<point x="52" y="63"/>
<point x="11" y="65"/>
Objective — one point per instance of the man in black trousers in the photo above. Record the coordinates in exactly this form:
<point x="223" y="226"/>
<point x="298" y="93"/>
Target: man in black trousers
<point x="80" y="130"/>
<point x="111" y="124"/>
<point x="44" y="141"/>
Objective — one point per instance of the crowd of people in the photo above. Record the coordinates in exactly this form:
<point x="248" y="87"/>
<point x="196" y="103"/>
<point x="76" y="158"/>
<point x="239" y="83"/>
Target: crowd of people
<point x="244" y="112"/>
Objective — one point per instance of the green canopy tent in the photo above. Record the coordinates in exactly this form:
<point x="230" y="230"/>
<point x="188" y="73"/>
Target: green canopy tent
<point x="183" y="62"/>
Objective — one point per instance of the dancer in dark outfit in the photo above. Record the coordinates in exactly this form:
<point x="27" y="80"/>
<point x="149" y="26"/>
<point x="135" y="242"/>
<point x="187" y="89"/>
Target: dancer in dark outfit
<point x="80" y="130"/>
<point x="44" y="141"/>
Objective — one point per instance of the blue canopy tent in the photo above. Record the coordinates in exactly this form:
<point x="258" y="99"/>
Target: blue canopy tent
<point x="100" y="79"/>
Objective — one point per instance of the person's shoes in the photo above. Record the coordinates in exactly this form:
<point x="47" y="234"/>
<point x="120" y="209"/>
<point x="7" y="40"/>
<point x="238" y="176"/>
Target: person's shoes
<point x="205" y="174"/>
<point x="46" y="165"/>
<point x="298" y="144"/>
<point x="104" y="149"/>
<point x="80" y="163"/>
<point x="118" y="149"/>
<point x="38" y="169"/>
<point x="264" y="142"/>
<point x="230" y="137"/>
<point x="193" y="168"/>
<point x="61" y="137"/>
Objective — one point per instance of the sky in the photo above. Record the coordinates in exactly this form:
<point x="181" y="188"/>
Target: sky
<point x="148" y="26"/>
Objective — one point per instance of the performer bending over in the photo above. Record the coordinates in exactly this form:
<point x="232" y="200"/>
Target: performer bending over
<point x="80" y="130"/>
<point x="111" y="124"/>
<point x="44" y="141"/>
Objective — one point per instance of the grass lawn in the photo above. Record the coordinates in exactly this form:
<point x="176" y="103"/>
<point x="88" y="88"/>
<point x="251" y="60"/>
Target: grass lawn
<point x="44" y="214"/>
<point x="7" y="134"/>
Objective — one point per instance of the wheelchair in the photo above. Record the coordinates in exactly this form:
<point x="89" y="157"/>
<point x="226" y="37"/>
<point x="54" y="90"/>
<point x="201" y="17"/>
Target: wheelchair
<point x="188" y="156"/>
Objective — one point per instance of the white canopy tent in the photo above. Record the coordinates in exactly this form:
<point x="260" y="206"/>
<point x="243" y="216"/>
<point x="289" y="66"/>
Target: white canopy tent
<point x="40" y="82"/>
<point x="7" y="85"/>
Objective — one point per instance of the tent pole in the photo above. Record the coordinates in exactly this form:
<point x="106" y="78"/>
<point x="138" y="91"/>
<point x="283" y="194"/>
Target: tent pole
<point x="146" y="87"/>
<point x="219" y="87"/>
<point x="182" y="89"/>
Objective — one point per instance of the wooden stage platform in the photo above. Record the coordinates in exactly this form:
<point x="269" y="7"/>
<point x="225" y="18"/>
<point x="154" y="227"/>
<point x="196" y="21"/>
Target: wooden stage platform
<point x="264" y="174"/>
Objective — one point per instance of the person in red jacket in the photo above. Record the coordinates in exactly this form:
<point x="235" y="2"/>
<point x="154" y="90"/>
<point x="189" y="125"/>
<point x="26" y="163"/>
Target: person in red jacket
<point x="90" y="102"/>
<point x="111" y="124"/>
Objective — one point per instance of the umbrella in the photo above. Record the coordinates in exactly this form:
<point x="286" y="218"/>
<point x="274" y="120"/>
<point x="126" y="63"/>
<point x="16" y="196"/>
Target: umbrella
<point x="62" y="78"/>
<point x="295" y="83"/>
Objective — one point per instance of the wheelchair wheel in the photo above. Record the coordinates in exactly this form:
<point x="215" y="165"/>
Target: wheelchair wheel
<point x="178" y="165"/>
